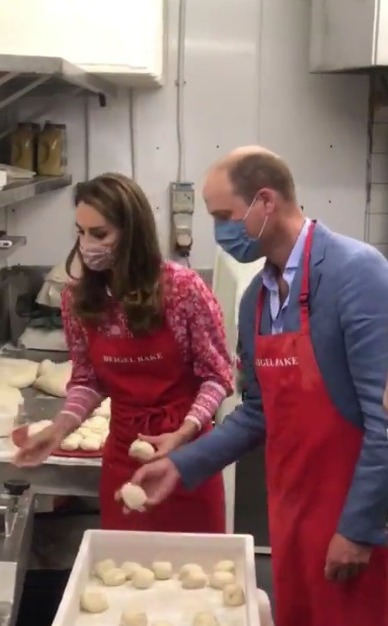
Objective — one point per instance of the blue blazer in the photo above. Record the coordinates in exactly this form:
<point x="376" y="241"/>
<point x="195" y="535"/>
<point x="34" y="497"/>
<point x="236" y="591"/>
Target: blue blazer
<point x="349" y="327"/>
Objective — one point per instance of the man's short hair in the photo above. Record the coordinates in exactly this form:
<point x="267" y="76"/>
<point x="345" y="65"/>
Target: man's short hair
<point x="253" y="172"/>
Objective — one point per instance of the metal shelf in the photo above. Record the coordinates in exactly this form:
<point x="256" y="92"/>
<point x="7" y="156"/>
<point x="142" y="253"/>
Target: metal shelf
<point x="47" y="76"/>
<point x="26" y="189"/>
<point x="17" y="242"/>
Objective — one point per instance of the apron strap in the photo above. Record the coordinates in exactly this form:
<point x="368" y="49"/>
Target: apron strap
<point x="304" y="295"/>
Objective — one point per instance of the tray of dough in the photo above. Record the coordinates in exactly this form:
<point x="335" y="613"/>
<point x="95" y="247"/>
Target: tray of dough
<point x="161" y="579"/>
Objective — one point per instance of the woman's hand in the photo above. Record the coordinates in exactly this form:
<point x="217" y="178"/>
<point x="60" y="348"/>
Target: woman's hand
<point x="36" y="449"/>
<point x="167" y="442"/>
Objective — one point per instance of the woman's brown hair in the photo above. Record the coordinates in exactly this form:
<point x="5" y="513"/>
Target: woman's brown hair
<point x="135" y="277"/>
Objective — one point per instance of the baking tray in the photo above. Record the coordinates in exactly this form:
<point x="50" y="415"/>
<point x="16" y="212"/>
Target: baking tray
<point x="165" y="600"/>
<point x="19" y="436"/>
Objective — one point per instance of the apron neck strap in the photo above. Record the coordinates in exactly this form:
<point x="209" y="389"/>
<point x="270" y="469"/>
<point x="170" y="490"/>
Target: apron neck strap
<point x="304" y="289"/>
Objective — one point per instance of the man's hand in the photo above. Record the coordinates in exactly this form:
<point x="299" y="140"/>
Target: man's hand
<point x="167" y="442"/>
<point x="345" y="559"/>
<point x="164" y="444"/>
<point x="158" y="479"/>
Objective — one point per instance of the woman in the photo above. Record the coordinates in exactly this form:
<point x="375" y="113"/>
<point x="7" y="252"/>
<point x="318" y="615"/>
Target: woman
<point x="148" y="334"/>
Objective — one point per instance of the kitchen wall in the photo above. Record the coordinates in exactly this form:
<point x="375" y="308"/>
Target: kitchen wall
<point x="247" y="81"/>
<point x="377" y="216"/>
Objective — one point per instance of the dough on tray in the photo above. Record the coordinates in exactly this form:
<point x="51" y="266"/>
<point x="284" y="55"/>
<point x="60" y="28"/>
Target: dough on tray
<point x="205" y="618"/>
<point x="93" y="602"/>
<point x="225" y="566"/>
<point x="141" y="450"/>
<point x="103" y="409"/>
<point x="55" y="379"/>
<point x="113" y="577"/>
<point x="134" y="497"/>
<point x="233" y="595"/>
<point x="84" y="431"/>
<point x="162" y="570"/>
<point x="143" y="578"/>
<point x="90" y="444"/>
<point x="194" y="579"/>
<point x="71" y="443"/>
<point x="219" y="580"/>
<point x="189" y="567"/>
<point x="103" y="566"/>
<point x="129" y="618"/>
<point x="129" y="567"/>
<point x="97" y="423"/>
<point x="20" y="373"/>
<point x="10" y="398"/>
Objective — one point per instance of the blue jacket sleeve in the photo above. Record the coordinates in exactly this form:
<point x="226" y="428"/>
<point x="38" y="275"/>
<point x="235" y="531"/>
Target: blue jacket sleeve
<point x="241" y="431"/>
<point x="363" y="306"/>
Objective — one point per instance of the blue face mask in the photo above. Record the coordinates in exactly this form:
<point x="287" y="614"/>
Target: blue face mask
<point x="232" y="236"/>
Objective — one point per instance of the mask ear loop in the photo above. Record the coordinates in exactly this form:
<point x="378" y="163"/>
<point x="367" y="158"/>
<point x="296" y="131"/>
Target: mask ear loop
<point x="255" y="199"/>
<point x="262" y="228"/>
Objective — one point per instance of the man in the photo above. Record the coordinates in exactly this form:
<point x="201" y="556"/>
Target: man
<point x="313" y="333"/>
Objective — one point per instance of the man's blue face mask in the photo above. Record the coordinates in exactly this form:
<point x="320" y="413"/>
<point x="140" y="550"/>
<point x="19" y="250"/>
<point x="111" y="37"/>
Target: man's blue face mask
<point x="232" y="236"/>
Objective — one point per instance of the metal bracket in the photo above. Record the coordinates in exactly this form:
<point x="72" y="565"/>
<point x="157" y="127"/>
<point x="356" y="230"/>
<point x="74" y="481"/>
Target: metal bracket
<point x="22" y="92"/>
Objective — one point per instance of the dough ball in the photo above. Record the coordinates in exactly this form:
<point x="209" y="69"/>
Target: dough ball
<point x="55" y="379"/>
<point x="143" y="578"/>
<point x="104" y="566"/>
<point x="233" y="595"/>
<point x="141" y="450"/>
<point x="20" y="373"/>
<point x="45" y="366"/>
<point x="187" y="568"/>
<point x="113" y="577"/>
<point x="104" y="437"/>
<point x="129" y="567"/>
<point x="162" y="570"/>
<point x="90" y="444"/>
<point x="103" y="409"/>
<point x="225" y="566"/>
<point x="71" y="443"/>
<point x="129" y="618"/>
<point x="194" y="579"/>
<point x="219" y="580"/>
<point x="93" y="602"/>
<point x="84" y="431"/>
<point x="37" y="427"/>
<point x="205" y="618"/>
<point x="96" y="424"/>
<point x="10" y="397"/>
<point x="134" y="497"/>
<point x="265" y="610"/>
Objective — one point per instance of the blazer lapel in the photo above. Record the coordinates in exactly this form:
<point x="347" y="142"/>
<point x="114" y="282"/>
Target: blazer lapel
<point x="321" y="235"/>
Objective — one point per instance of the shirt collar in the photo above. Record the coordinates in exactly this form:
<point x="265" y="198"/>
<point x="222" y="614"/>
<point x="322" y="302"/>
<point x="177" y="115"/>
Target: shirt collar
<point x="294" y="258"/>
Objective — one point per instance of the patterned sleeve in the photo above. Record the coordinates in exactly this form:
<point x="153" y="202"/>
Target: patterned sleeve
<point x="84" y="392"/>
<point x="207" y="340"/>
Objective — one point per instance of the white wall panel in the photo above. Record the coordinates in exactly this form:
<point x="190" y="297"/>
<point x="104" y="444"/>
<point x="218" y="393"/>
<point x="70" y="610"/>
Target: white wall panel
<point x="377" y="218"/>
<point x="247" y="80"/>
<point x="318" y="123"/>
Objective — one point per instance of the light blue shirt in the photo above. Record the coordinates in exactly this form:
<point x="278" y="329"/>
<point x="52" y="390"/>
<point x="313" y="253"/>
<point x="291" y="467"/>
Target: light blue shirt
<point x="269" y="281"/>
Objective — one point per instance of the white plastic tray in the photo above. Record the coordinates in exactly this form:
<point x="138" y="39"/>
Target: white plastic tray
<point x="165" y="600"/>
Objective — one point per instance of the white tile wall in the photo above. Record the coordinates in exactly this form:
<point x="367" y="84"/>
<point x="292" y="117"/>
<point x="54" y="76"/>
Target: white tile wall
<point x="377" y="216"/>
<point x="247" y="81"/>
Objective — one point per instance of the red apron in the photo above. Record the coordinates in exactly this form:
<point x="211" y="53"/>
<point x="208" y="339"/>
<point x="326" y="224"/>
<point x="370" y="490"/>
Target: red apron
<point x="151" y="391"/>
<point x="309" y="472"/>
